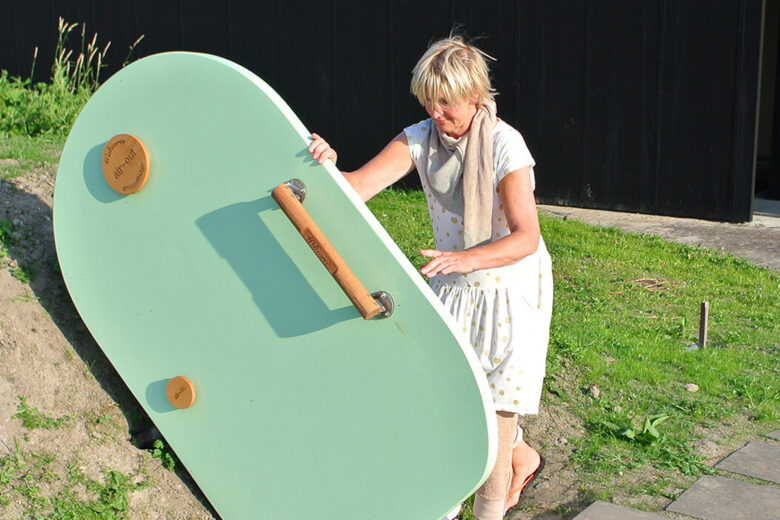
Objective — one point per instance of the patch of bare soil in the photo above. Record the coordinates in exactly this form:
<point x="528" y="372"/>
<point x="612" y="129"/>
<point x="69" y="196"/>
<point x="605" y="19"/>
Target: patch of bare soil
<point x="48" y="357"/>
<point x="556" y="491"/>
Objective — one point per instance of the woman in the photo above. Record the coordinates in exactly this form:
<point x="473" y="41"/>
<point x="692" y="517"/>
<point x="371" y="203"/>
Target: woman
<point x="490" y="267"/>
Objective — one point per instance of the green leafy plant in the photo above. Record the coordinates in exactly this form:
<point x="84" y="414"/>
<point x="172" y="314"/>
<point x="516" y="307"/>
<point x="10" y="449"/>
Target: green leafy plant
<point x="77" y="498"/>
<point x="23" y="273"/>
<point x="162" y="452"/>
<point x="6" y="236"/>
<point x="648" y="434"/>
<point x="33" y="418"/>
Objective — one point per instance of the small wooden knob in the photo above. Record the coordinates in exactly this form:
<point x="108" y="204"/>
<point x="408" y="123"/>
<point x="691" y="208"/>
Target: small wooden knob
<point x="125" y="164"/>
<point x="181" y="392"/>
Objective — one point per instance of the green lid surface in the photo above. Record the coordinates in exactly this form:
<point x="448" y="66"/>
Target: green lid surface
<point x="303" y="409"/>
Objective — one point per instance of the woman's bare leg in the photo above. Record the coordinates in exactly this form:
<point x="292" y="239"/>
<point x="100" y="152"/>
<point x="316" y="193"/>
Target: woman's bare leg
<point x="490" y="499"/>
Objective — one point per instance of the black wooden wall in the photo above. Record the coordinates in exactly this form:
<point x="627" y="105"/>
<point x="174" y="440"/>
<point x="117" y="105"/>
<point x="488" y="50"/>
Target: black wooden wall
<point x="642" y="105"/>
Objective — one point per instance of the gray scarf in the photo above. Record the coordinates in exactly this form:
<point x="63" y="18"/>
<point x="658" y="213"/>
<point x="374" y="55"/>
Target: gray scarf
<point x="460" y="172"/>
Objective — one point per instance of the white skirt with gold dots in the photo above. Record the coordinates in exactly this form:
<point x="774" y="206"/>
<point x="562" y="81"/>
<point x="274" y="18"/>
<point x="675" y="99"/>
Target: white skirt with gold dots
<point x="505" y="313"/>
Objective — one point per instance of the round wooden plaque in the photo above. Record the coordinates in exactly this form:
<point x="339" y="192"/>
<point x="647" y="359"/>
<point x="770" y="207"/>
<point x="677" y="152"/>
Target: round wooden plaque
<point x="125" y="164"/>
<point x="181" y="392"/>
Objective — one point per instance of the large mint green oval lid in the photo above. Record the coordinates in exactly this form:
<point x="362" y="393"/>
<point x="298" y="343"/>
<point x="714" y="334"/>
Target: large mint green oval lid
<point x="304" y="409"/>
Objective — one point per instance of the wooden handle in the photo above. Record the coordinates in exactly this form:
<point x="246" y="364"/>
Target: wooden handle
<point x="365" y="304"/>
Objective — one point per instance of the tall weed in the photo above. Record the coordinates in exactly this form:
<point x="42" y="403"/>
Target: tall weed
<point x="49" y="109"/>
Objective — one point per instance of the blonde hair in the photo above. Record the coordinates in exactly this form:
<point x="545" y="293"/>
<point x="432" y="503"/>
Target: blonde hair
<point x="452" y="71"/>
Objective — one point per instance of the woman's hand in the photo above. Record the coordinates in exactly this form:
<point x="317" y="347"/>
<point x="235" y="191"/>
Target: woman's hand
<point x="446" y="262"/>
<point x="320" y="150"/>
<point x="517" y="201"/>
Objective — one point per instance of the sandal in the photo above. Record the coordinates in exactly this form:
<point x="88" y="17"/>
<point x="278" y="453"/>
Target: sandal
<point x="530" y="478"/>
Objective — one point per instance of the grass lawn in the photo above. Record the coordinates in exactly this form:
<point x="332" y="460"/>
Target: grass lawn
<point x="21" y="154"/>
<point x="625" y="322"/>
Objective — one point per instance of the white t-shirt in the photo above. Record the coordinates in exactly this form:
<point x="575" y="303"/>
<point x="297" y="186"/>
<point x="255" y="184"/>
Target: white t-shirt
<point x="504" y="311"/>
<point x="510" y="152"/>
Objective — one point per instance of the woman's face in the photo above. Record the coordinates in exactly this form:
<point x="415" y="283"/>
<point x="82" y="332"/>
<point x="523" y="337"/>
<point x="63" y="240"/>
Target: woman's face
<point x="453" y="119"/>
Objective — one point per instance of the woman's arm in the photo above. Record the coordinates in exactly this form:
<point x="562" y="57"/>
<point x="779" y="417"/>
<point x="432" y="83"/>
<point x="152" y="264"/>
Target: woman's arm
<point x="519" y="206"/>
<point x="389" y="165"/>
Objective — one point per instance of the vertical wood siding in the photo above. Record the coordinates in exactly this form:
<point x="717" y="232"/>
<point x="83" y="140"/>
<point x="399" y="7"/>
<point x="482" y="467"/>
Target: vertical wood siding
<point x="642" y="105"/>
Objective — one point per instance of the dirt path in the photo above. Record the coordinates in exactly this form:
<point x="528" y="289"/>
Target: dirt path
<point x="758" y="242"/>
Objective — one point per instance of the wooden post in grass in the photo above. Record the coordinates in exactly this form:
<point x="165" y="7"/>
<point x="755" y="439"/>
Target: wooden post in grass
<point x="705" y="314"/>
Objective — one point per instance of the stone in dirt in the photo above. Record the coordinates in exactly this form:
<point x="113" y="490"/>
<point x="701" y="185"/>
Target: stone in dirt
<point x="774" y="435"/>
<point x="593" y="391"/>
<point x="37" y="253"/>
<point x="757" y="459"/>
<point x="720" y="498"/>
<point x="692" y="387"/>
